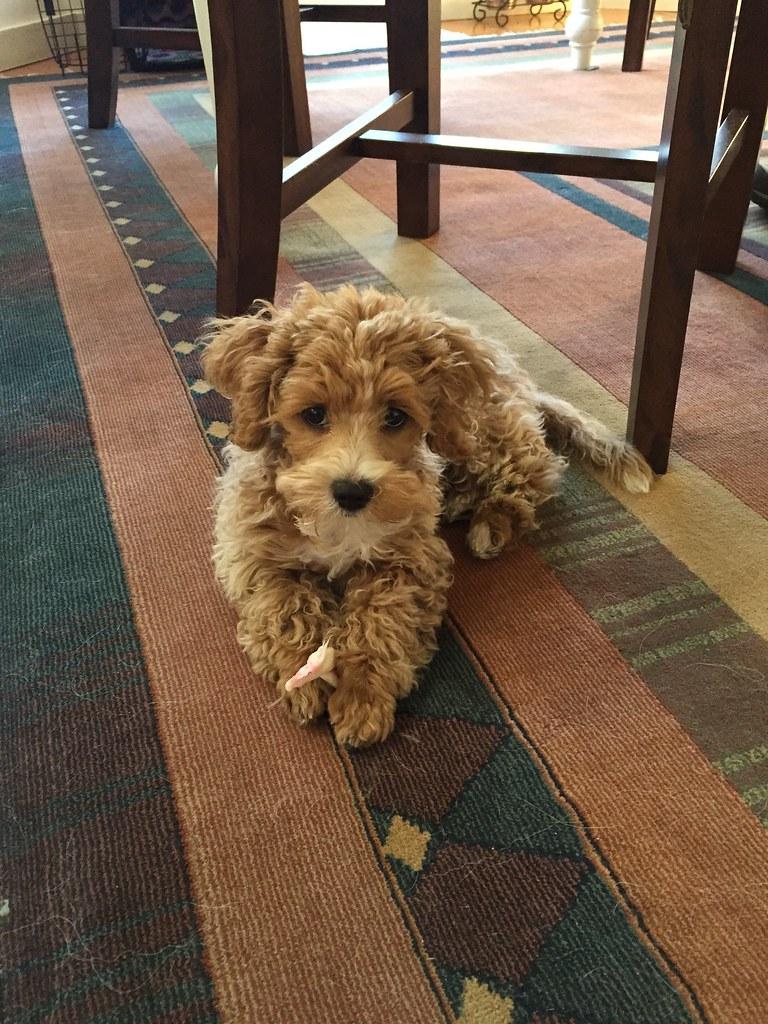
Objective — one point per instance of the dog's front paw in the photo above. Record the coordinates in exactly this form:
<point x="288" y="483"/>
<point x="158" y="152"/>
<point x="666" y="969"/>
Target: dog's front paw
<point x="489" y="533"/>
<point x="308" y="702"/>
<point x="359" y="719"/>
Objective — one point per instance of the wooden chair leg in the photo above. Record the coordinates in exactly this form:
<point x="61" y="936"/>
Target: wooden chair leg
<point x="101" y="16"/>
<point x="297" y="132"/>
<point x="248" y="71"/>
<point x="747" y="89"/>
<point x="413" y="31"/>
<point x="638" y="23"/>
<point x="694" y="94"/>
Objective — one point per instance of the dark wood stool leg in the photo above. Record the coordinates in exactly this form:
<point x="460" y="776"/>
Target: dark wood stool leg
<point x="248" y="71"/>
<point x="101" y="16"/>
<point x="638" y="24"/>
<point x="694" y="94"/>
<point x="747" y="89"/>
<point x="413" y="30"/>
<point x="297" y="131"/>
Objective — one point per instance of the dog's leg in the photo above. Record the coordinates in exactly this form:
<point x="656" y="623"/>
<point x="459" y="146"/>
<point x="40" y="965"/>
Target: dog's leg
<point x="519" y="473"/>
<point x="498" y="521"/>
<point x="285" y="617"/>
<point x="388" y="624"/>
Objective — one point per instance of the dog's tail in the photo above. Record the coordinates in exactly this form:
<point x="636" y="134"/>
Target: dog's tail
<point x="571" y="430"/>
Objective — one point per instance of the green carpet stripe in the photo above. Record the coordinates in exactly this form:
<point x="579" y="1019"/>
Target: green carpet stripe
<point x="76" y="808"/>
<point x="106" y="789"/>
<point x="563" y="515"/>
<point x="657" y="622"/>
<point x="82" y="942"/>
<point x="570" y="566"/>
<point x="732" y="764"/>
<point x="162" y="1004"/>
<point x="567" y="528"/>
<point x="708" y="639"/>
<point x="56" y="702"/>
<point x="132" y="970"/>
<point x="648" y="602"/>
<point x="757" y="796"/>
<point x="614" y="538"/>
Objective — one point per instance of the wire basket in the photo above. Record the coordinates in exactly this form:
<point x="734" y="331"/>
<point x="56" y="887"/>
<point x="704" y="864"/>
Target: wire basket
<point x="64" y="24"/>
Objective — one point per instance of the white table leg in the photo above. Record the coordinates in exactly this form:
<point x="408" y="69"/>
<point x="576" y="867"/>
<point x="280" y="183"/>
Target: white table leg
<point x="583" y="27"/>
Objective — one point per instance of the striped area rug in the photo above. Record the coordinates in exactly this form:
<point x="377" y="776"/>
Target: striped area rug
<point x="569" y="824"/>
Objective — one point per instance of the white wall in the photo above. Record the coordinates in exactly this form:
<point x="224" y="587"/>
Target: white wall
<point x="22" y="39"/>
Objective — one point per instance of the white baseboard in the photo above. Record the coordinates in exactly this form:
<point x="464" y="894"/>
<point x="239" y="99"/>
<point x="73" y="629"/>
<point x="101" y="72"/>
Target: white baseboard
<point x="22" y="44"/>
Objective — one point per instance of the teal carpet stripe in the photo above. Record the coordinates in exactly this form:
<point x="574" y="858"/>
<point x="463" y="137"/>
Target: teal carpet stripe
<point x="75" y="701"/>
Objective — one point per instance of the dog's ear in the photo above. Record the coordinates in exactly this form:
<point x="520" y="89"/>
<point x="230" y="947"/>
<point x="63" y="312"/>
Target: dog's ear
<point x="246" y="361"/>
<point x="458" y="376"/>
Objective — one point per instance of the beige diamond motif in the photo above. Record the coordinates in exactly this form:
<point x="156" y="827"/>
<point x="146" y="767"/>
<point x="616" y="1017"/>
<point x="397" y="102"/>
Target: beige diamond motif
<point x="91" y="159"/>
<point x="66" y="108"/>
<point x="482" y="1006"/>
<point x="81" y="137"/>
<point x="76" y="127"/>
<point x="85" y="149"/>
<point x="71" y="117"/>
<point x="106" y="188"/>
<point x="219" y="429"/>
<point x="155" y="289"/>
<point x="98" y="174"/>
<point x="131" y="240"/>
<point x="143" y="264"/>
<point x="184" y="348"/>
<point x="407" y="843"/>
<point x="122" y="221"/>
<point x="112" y="204"/>
<point x="200" y="387"/>
<point x="168" y="317"/>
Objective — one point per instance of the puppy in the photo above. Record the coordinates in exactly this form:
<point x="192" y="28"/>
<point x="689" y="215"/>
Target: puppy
<point x="359" y="419"/>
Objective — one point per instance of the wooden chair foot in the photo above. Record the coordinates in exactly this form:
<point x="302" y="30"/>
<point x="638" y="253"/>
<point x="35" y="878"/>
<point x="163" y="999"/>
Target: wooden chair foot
<point x="103" y="61"/>
<point x="248" y="71"/>
<point x="413" y="31"/>
<point x="679" y="199"/>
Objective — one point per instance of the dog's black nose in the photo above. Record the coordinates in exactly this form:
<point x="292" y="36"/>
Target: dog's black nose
<point x="352" y="495"/>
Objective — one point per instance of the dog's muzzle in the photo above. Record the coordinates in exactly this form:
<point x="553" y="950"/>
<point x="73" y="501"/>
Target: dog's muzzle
<point x="352" y="495"/>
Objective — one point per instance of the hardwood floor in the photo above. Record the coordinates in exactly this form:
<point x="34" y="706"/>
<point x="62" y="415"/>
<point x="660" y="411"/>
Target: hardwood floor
<point x="41" y="67"/>
<point x="521" y="21"/>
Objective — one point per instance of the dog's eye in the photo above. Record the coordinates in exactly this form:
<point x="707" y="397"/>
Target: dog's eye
<point x="395" y="418"/>
<point x="315" y="416"/>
